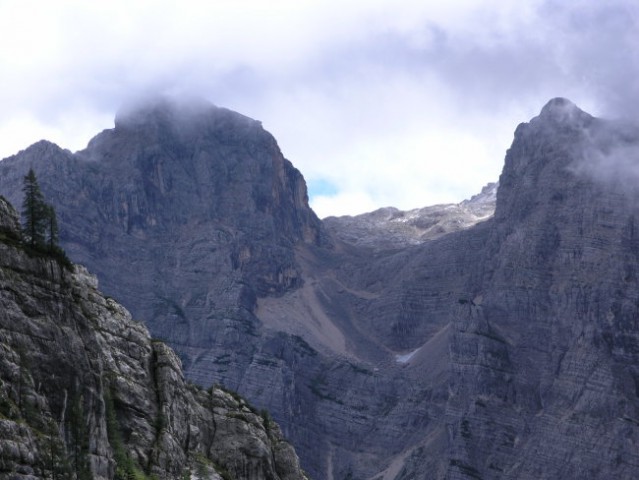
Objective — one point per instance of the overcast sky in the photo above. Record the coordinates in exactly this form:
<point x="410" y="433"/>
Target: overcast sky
<point x="378" y="102"/>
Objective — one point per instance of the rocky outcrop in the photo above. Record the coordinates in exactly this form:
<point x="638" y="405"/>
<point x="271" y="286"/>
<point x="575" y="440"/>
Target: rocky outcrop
<point x="86" y="393"/>
<point x="389" y="228"/>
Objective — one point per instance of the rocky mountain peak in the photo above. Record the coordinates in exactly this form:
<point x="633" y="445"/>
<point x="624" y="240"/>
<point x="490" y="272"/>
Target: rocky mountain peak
<point x="558" y="116"/>
<point x="558" y="288"/>
<point x="538" y="166"/>
<point x="189" y="118"/>
<point x="40" y="149"/>
<point x="559" y="107"/>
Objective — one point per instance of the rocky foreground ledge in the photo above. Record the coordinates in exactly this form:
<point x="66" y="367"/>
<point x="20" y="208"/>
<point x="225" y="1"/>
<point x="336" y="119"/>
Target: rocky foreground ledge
<point x="86" y="393"/>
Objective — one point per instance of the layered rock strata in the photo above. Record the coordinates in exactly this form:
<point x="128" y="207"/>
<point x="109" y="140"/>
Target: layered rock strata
<point x="86" y="393"/>
<point x="503" y="350"/>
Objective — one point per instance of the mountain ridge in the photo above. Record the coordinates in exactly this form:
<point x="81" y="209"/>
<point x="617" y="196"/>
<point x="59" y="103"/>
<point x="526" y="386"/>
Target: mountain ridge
<point x="449" y="358"/>
<point x="390" y="227"/>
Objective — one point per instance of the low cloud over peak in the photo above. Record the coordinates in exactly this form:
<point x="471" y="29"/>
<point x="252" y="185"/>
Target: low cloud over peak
<point x="403" y="103"/>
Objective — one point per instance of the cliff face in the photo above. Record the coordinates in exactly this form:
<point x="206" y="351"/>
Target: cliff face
<point x="166" y="180"/>
<point x="504" y="350"/>
<point x="192" y="218"/>
<point x="86" y="393"/>
<point x="545" y="359"/>
<point x="187" y="213"/>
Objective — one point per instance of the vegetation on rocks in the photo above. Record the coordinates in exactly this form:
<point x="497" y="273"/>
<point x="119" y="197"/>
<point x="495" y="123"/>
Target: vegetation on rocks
<point x="40" y="223"/>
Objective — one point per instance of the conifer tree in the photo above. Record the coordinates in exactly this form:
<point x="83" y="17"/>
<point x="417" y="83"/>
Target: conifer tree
<point x="34" y="211"/>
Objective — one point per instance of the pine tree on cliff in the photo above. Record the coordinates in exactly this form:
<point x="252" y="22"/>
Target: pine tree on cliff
<point x="34" y="211"/>
<point x="39" y="222"/>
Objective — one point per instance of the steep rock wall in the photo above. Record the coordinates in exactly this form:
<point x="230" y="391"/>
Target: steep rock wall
<point x="86" y="393"/>
<point x="545" y="361"/>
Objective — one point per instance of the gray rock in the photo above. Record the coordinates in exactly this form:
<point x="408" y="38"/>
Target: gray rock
<point x="389" y="227"/>
<point x="544" y="364"/>
<point x="84" y="391"/>
<point x="506" y="349"/>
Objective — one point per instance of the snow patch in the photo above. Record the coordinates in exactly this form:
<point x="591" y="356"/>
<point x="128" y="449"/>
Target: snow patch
<point x="406" y="357"/>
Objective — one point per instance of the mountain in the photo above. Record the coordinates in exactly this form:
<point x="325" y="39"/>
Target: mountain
<point x="544" y="355"/>
<point x="502" y="349"/>
<point x="392" y="228"/>
<point x="190" y="216"/>
<point x="85" y="392"/>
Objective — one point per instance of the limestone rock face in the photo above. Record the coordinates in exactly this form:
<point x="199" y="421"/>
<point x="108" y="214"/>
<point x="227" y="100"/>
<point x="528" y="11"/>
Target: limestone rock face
<point x="545" y="364"/>
<point x="86" y="393"/>
<point x="186" y="212"/>
<point x="502" y="349"/>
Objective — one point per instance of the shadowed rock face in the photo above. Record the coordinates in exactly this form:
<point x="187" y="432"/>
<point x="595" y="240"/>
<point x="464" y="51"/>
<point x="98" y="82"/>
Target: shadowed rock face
<point x="504" y="350"/>
<point x="186" y="212"/>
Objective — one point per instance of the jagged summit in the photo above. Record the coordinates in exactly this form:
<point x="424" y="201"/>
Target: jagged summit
<point x="561" y="111"/>
<point x="558" y="104"/>
<point x="543" y="154"/>
<point x="38" y="149"/>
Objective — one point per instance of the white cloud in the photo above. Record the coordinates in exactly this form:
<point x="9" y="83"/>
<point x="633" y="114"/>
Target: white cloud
<point x="395" y="102"/>
<point x="343" y="203"/>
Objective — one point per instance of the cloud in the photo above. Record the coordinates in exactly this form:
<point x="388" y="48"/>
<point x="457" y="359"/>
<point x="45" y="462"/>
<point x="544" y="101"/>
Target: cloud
<point x="343" y="203"/>
<point x="609" y="155"/>
<point x="394" y="102"/>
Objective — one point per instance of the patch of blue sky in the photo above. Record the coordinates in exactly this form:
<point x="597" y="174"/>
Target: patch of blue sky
<point x="321" y="188"/>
